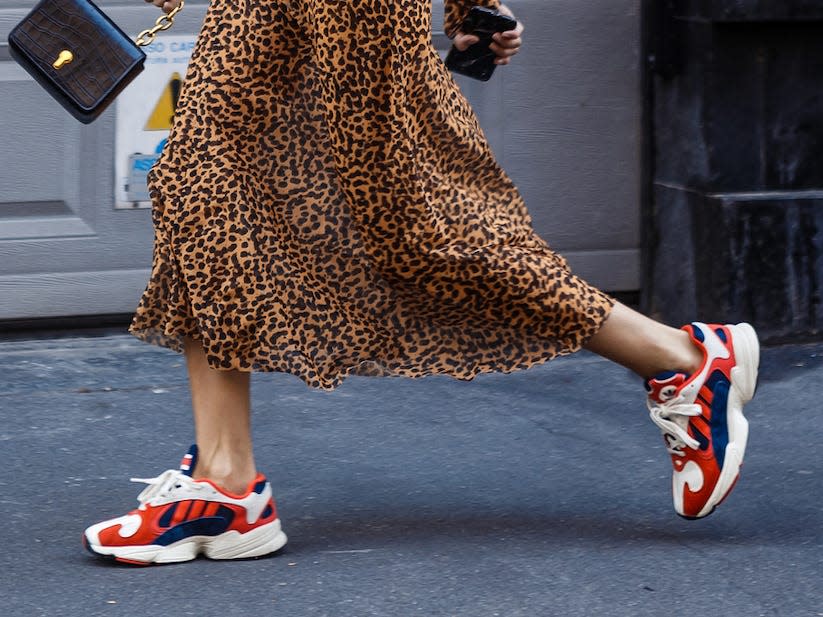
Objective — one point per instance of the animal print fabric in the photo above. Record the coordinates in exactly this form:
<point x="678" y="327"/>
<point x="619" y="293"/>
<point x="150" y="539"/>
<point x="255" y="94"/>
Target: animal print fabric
<point x="327" y="204"/>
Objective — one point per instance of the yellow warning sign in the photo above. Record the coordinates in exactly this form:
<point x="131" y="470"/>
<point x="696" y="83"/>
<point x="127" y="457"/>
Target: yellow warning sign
<point x="163" y="113"/>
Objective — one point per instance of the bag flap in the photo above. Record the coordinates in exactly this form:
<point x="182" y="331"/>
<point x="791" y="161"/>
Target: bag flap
<point x="102" y="54"/>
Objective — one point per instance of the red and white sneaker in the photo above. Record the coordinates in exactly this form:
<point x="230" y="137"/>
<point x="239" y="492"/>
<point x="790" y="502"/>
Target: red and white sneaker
<point x="180" y="517"/>
<point x="701" y="415"/>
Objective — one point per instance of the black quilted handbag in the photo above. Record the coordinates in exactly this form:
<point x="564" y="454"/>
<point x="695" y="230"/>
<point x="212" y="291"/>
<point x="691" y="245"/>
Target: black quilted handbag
<point x="79" y="55"/>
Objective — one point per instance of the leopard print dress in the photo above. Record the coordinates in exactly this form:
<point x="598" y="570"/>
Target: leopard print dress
<point x="327" y="204"/>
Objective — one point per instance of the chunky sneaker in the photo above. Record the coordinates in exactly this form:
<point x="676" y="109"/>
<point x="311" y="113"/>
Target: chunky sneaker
<point x="701" y="415"/>
<point x="180" y="517"/>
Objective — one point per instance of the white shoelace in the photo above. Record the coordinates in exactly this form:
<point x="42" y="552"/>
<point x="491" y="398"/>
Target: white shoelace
<point x="672" y="418"/>
<point x="163" y="484"/>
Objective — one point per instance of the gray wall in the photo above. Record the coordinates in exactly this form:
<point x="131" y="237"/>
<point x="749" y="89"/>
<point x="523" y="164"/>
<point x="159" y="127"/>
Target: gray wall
<point x="564" y="121"/>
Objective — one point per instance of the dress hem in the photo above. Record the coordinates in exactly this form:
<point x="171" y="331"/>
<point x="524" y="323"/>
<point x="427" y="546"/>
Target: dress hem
<point x="378" y="368"/>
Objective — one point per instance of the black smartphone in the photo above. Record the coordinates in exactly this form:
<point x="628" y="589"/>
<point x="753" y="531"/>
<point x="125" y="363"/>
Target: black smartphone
<point x="478" y="60"/>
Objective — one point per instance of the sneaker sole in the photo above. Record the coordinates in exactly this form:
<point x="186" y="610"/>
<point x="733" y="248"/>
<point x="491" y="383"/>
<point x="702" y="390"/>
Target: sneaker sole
<point x="743" y="385"/>
<point x="258" y="542"/>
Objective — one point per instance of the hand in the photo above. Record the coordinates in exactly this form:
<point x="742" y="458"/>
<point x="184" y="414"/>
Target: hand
<point x="504" y="44"/>
<point x="167" y="5"/>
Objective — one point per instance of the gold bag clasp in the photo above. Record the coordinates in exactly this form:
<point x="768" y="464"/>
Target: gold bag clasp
<point x="63" y="58"/>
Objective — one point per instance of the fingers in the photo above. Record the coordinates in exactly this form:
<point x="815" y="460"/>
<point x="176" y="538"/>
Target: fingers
<point x="463" y="41"/>
<point x="167" y="5"/>
<point x="507" y="44"/>
<point x="505" y="10"/>
<point x="504" y="44"/>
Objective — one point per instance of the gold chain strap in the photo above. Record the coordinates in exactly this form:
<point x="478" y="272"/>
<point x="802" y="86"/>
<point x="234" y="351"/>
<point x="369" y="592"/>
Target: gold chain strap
<point x="164" y="22"/>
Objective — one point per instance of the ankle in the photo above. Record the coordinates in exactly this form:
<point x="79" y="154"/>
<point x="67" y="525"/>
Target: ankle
<point x="233" y="474"/>
<point x="235" y="483"/>
<point x="686" y="355"/>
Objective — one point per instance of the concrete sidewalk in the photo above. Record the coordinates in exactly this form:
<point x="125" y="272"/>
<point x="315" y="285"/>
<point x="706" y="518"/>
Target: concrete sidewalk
<point x="540" y="493"/>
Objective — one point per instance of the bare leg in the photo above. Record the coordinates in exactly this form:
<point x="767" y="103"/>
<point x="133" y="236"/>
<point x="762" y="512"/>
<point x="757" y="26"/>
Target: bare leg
<point x="222" y="422"/>
<point x="643" y="345"/>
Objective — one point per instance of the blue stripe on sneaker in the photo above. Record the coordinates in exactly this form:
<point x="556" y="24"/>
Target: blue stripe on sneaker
<point x="210" y="526"/>
<point x="203" y="526"/>
<point x="666" y="375"/>
<point x="192" y="462"/>
<point x="226" y="513"/>
<point x="720" y="427"/>
<point x="699" y="436"/>
<point x="165" y="520"/>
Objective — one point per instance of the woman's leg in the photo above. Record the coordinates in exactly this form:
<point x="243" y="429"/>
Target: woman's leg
<point x="222" y="422"/>
<point x="643" y="345"/>
<point x="233" y="516"/>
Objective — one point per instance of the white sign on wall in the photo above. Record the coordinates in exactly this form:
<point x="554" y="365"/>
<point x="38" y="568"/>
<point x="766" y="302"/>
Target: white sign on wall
<point x="144" y="115"/>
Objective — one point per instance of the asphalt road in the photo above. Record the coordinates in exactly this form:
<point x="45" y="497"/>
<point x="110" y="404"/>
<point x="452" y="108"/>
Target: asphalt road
<point x="540" y="493"/>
